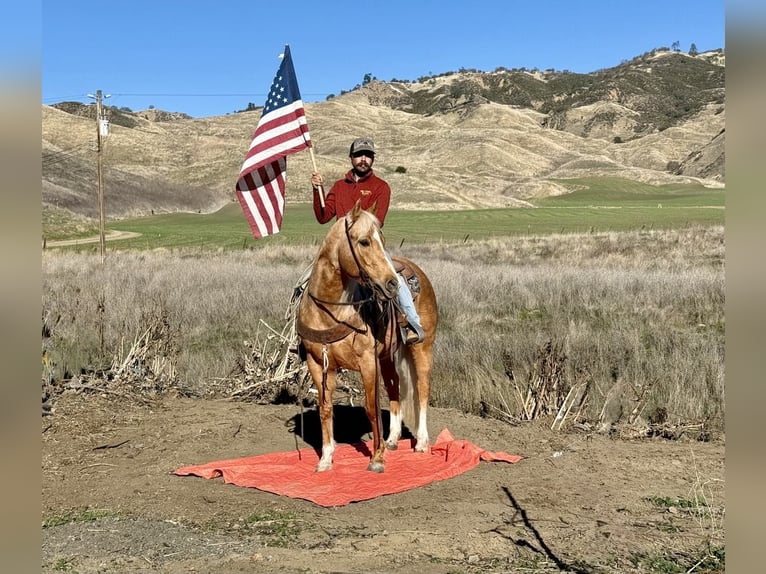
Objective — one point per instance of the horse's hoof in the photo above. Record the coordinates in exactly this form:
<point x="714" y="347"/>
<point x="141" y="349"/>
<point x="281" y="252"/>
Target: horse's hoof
<point x="375" y="466"/>
<point x="392" y="445"/>
<point x="422" y="447"/>
<point x="323" y="467"/>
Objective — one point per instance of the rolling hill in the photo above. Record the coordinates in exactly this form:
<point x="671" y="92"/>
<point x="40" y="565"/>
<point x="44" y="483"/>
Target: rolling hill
<point x="460" y="140"/>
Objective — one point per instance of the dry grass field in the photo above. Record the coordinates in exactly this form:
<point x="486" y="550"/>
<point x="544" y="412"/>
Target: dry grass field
<point x="637" y="318"/>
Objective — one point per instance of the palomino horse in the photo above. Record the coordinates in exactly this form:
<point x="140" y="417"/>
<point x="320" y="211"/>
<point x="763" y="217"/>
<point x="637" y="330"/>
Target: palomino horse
<point x="338" y="330"/>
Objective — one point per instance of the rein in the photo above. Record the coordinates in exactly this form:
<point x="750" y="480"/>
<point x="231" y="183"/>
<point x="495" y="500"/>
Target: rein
<point x="341" y="329"/>
<point x="360" y="302"/>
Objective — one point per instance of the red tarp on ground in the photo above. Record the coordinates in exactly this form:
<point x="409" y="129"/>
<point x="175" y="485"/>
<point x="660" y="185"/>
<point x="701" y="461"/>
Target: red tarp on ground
<point x="294" y="473"/>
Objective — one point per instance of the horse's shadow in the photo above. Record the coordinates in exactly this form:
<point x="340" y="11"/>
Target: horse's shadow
<point x="350" y="426"/>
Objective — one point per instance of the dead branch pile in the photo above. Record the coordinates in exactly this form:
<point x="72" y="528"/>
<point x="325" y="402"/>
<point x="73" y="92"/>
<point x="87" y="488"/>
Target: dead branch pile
<point x="269" y="370"/>
<point x="641" y="429"/>
<point x="142" y="370"/>
<point x="544" y="391"/>
<point x="149" y="364"/>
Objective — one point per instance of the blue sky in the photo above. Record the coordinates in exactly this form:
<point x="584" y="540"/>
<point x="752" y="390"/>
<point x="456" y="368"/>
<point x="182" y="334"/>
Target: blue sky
<point x="207" y="59"/>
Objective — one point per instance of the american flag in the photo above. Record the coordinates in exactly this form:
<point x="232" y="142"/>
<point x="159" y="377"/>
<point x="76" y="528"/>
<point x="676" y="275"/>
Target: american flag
<point x="282" y="130"/>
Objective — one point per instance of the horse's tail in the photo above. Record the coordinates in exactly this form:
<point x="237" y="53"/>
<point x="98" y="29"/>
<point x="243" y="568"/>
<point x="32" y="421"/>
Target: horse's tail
<point x="409" y="401"/>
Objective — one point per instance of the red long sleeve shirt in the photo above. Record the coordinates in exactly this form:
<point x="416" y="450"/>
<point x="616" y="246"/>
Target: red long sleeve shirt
<point x="345" y="192"/>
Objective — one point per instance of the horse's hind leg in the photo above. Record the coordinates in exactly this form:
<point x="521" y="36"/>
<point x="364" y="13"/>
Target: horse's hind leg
<point x="423" y="360"/>
<point x="391" y="380"/>
<point x="324" y="398"/>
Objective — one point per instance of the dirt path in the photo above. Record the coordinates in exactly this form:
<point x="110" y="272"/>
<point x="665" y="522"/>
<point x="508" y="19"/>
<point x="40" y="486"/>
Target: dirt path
<point x="577" y="502"/>
<point x="110" y="236"/>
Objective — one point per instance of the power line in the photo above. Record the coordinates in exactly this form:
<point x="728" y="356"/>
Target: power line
<point x="189" y="95"/>
<point x="52" y="158"/>
<point x="56" y="99"/>
<point x="182" y="95"/>
<point x="65" y="152"/>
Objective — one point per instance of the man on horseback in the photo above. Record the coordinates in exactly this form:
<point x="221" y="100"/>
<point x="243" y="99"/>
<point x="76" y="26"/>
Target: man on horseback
<point x="361" y="184"/>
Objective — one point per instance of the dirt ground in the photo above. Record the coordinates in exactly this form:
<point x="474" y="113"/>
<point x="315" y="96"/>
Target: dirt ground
<point x="578" y="502"/>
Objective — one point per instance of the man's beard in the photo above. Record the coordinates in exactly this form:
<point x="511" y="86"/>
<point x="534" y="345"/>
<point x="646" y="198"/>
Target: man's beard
<point x="362" y="169"/>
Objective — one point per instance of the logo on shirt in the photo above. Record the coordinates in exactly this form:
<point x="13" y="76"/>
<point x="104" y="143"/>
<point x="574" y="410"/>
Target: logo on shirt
<point x="365" y="192"/>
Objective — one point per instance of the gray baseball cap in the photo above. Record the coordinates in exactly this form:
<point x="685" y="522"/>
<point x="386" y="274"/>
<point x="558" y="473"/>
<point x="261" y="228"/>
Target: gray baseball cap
<point x="362" y="144"/>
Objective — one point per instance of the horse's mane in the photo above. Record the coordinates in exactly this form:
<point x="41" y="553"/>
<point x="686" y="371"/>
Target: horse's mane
<point x="365" y="221"/>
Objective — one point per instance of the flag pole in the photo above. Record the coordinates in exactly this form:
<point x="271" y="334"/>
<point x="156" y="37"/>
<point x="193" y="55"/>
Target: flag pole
<point x="314" y="163"/>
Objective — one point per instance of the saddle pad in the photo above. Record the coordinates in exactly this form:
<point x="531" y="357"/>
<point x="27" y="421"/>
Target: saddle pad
<point x="294" y="473"/>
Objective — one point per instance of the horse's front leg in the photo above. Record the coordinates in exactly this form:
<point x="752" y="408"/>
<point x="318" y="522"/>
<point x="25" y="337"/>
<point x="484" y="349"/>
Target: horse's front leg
<point x="391" y="380"/>
<point x="370" y="378"/>
<point x="325" y="385"/>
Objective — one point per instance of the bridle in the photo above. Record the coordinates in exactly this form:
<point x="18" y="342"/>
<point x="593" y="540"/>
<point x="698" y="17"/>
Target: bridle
<point x="344" y="328"/>
<point x="364" y="278"/>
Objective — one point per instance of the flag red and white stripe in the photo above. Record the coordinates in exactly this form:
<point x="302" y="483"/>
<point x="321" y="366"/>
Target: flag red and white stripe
<point x="281" y="131"/>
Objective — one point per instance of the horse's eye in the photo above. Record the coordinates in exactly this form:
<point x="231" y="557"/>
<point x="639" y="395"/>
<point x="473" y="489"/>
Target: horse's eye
<point x="364" y="242"/>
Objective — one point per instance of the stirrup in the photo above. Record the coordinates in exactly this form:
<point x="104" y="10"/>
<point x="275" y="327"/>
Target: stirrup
<point x="413" y="334"/>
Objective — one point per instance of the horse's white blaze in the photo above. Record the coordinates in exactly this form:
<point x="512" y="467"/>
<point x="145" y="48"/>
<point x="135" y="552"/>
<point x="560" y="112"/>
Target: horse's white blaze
<point x="379" y="240"/>
<point x="422" y="437"/>
<point x="325" y="463"/>
<point x="395" y="428"/>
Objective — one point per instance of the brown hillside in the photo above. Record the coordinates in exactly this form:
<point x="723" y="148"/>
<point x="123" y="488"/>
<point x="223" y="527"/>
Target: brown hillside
<point x="466" y="150"/>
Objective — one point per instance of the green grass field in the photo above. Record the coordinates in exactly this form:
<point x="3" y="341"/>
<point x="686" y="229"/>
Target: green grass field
<point x="607" y="192"/>
<point x="598" y="205"/>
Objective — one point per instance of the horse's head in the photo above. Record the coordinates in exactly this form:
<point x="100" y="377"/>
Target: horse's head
<point x="366" y="258"/>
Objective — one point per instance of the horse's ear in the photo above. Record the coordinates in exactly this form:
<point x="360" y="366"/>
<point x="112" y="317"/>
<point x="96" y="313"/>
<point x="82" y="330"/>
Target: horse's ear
<point x="374" y="208"/>
<point x="356" y="210"/>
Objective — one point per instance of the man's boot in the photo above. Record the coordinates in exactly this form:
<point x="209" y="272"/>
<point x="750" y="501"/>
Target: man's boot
<point x="413" y="334"/>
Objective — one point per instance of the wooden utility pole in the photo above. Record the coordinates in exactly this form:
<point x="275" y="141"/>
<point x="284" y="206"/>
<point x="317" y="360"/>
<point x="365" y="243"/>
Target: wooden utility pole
<point x="100" y="172"/>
